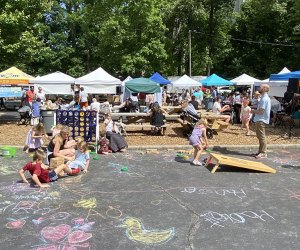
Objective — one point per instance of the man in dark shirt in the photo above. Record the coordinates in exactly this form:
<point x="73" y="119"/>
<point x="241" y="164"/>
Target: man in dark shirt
<point x="194" y="102"/>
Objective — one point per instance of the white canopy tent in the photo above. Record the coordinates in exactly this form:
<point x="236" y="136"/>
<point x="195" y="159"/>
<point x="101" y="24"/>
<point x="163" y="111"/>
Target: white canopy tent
<point x="244" y="80"/>
<point x="277" y="88"/>
<point x="56" y="83"/>
<point x="185" y="82"/>
<point x="125" y="94"/>
<point x="99" y="82"/>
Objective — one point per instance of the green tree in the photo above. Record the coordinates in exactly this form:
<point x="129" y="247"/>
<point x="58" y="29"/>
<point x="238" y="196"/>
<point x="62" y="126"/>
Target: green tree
<point x="209" y="22"/>
<point x="129" y="36"/>
<point x="20" y="40"/>
<point x="62" y="36"/>
<point x="259" y="30"/>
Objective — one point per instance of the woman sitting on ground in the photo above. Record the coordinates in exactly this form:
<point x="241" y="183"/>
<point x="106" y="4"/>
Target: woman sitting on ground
<point x="61" y="146"/>
<point x="117" y="142"/>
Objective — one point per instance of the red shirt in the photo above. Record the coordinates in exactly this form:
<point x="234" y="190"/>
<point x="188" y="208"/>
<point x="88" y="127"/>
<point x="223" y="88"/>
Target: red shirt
<point x="36" y="168"/>
<point x="29" y="96"/>
<point x="142" y="96"/>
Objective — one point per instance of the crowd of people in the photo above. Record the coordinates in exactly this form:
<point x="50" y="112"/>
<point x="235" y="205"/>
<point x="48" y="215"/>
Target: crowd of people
<point x="261" y="109"/>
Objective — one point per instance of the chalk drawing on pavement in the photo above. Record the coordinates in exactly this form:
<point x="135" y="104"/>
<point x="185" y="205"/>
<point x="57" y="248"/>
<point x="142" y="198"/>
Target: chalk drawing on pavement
<point x="136" y="232"/>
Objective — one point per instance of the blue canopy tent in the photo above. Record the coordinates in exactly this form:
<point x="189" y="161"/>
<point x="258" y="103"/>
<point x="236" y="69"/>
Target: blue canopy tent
<point x="156" y="77"/>
<point x="286" y="76"/>
<point x="215" y="80"/>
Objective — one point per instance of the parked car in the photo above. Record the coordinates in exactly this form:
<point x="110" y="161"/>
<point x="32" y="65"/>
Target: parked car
<point x="224" y="89"/>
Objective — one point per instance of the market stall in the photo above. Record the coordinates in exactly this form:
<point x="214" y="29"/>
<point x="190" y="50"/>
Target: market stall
<point x="56" y="83"/>
<point x="11" y="82"/>
<point x="99" y="82"/>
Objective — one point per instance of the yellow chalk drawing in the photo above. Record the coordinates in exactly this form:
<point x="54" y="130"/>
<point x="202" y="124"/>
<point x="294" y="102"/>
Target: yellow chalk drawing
<point x="54" y="194"/>
<point x="86" y="203"/>
<point x="135" y="231"/>
<point x="72" y="180"/>
<point x="93" y="212"/>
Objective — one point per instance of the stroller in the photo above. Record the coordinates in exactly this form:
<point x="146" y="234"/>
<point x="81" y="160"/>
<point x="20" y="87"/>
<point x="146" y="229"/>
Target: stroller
<point x="25" y="115"/>
<point x="190" y="115"/>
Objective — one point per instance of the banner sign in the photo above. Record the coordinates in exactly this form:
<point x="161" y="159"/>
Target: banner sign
<point x="10" y="92"/>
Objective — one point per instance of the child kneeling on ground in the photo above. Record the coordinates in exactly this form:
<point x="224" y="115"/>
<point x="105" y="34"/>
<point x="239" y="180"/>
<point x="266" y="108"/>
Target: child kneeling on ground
<point x="103" y="147"/>
<point x="82" y="158"/>
<point x="39" y="171"/>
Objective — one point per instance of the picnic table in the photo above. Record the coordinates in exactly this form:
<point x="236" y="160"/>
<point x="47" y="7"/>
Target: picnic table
<point x="134" y="117"/>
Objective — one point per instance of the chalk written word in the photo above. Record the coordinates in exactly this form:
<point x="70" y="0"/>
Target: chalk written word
<point x="17" y="187"/>
<point x="222" y="192"/>
<point x="217" y="219"/>
<point x="36" y="197"/>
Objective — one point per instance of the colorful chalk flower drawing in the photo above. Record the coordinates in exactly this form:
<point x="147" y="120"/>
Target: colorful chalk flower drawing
<point x="135" y="231"/>
<point x="64" y="237"/>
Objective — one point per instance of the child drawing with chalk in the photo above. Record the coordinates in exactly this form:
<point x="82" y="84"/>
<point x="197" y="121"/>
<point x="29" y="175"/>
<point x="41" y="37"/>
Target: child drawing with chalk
<point x="103" y="147"/>
<point x="196" y="141"/>
<point x="82" y="158"/>
<point x="39" y="171"/>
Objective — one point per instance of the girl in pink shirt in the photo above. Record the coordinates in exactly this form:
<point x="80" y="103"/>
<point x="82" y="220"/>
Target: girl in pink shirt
<point x="245" y="115"/>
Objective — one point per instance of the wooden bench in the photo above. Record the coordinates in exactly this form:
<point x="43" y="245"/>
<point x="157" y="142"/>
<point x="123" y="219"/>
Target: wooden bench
<point x="237" y="162"/>
<point x="160" y="129"/>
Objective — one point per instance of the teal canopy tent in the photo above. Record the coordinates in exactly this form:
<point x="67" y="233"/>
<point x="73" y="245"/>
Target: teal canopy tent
<point x="142" y="85"/>
<point x="215" y="80"/>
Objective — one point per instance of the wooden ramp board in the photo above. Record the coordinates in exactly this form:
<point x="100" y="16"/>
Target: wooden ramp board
<point x="237" y="162"/>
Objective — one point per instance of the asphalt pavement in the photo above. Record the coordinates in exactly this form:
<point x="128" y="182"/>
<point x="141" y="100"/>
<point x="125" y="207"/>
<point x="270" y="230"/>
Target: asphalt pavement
<point x="154" y="201"/>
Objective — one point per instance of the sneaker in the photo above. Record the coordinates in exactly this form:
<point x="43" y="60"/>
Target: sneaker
<point x="261" y="156"/>
<point x="255" y="154"/>
<point x="197" y="163"/>
<point x="75" y="171"/>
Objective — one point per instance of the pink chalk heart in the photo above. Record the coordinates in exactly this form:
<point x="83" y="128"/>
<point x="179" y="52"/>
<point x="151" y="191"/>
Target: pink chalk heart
<point x="55" y="233"/>
<point x="78" y="236"/>
<point x="47" y="247"/>
<point x="17" y="224"/>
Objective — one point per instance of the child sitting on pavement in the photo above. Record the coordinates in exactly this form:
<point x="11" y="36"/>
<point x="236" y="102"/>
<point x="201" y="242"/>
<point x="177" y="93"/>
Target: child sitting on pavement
<point x="104" y="146"/>
<point x="40" y="173"/>
<point x="196" y="140"/>
<point x="82" y="158"/>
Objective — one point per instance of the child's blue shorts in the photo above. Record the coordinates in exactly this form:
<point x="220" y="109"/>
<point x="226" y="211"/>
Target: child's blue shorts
<point x="53" y="176"/>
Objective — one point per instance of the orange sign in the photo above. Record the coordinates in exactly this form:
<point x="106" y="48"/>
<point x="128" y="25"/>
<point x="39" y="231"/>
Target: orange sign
<point x="13" y="81"/>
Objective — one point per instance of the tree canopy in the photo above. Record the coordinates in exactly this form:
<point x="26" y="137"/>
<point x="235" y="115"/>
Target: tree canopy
<point x="138" y="38"/>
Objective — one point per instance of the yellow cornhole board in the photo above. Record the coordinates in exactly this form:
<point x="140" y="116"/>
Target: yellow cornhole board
<point x="239" y="163"/>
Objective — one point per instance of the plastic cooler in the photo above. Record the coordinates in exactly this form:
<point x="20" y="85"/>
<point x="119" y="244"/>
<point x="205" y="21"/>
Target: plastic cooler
<point x="8" y="151"/>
